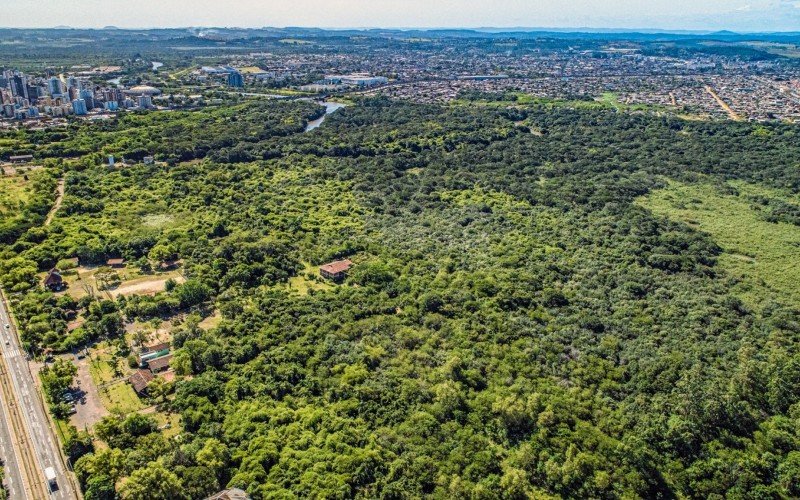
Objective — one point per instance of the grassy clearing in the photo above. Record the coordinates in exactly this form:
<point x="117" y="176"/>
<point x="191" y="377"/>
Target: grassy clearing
<point x="608" y="100"/>
<point x="251" y="70"/>
<point x="14" y="192"/>
<point x="150" y="284"/>
<point x="157" y="221"/>
<point x="762" y="254"/>
<point x="307" y="279"/>
<point x="83" y="280"/>
<point x="120" y="397"/>
<point x="211" y="321"/>
<point x="102" y="368"/>
<point x="169" y="423"/>
<point x="289" y="92"/>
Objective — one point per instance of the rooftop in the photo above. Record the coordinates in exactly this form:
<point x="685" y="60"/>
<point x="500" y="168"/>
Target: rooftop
<point x="159" y="363"/>
<point x="140" y="379"/>
<point x="143" y="90"/>
<point x="337" y="267"/>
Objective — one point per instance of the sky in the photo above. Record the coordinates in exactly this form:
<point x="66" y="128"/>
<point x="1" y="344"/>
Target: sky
<point x="738" y="15"/>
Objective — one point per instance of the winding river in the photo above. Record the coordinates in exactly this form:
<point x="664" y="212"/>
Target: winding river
<point x="330" y="107"/>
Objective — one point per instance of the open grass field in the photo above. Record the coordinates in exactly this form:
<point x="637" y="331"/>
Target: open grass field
<point x="301" y="284"/>
<point x="146" y="285"/>
<point x="169" y="423"/>
<point x="211" y="321"/>
<point x="13" y="193"/>
<point x="607" y="100"/>
<point x="83" y="280"/>
<point x="102" y="368"/>
<point x="120" y="397"/>
<point x="251" y="70"/>
<point x="764" y="255"/>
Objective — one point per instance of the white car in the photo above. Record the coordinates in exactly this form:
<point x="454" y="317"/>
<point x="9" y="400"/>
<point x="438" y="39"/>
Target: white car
<point x="7" y="326"/>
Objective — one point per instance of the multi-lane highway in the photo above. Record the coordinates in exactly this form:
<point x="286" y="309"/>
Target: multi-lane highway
<point x="9" y="453"/>
<point x="24" y="413"/>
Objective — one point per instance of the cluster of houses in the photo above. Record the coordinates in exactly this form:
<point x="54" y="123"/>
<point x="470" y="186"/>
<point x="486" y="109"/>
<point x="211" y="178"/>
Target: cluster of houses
<point x="153" y="360"/>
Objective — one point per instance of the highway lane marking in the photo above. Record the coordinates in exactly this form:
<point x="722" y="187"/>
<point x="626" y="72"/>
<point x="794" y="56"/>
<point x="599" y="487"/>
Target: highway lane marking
<point x="20" y="380"/>
<point x="22" y="461"/>
<point x="32" y="440"/>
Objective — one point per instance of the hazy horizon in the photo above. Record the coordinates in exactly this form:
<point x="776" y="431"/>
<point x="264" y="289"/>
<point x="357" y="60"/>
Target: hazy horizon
<point x="487" y="29"/>
<point x="661" y="15"/>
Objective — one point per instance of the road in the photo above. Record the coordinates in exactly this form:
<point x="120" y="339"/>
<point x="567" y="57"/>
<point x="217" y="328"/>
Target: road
<point x="34" y="420"/>
<point x="724" y="105"/>
<point x="8" y="452"/>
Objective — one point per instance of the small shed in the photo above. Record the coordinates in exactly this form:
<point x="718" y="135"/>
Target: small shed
<point x="168" y="264"/>
<point x="116" y="263"/>
<point x="53" y="280"/>
<point x="336" y="271"/>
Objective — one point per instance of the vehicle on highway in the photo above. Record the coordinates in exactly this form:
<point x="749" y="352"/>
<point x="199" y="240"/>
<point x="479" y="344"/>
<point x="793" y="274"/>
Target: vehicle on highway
<point x="50" y="475"/>
<point x="7" y="326"/>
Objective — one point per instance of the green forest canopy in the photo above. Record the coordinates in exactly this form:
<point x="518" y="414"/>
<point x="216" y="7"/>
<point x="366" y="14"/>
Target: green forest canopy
<point x="525" y="316"/>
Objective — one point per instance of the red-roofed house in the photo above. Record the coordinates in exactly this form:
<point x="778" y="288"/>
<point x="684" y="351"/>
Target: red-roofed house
<point x="335" y="271"/>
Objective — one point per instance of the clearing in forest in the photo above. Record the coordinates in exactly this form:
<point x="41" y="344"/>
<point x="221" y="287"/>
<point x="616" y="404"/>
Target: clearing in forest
<point x="146" y="285"/>
<point x="307" y="279"/>
<point x="761" y="253"/>
<point x="14" y="192"/>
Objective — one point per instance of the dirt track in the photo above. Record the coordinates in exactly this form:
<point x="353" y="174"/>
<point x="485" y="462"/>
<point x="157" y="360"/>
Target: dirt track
<point x="57" y="205"/>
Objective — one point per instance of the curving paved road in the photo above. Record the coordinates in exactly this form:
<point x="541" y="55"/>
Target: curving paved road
<point x="45" y="446"/>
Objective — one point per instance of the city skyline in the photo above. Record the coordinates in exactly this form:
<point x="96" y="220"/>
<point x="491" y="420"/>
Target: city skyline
<point x="741" y="15"/>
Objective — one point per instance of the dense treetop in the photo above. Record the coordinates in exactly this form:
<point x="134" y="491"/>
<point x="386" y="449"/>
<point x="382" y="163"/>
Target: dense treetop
<point x="518" y="322"/>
